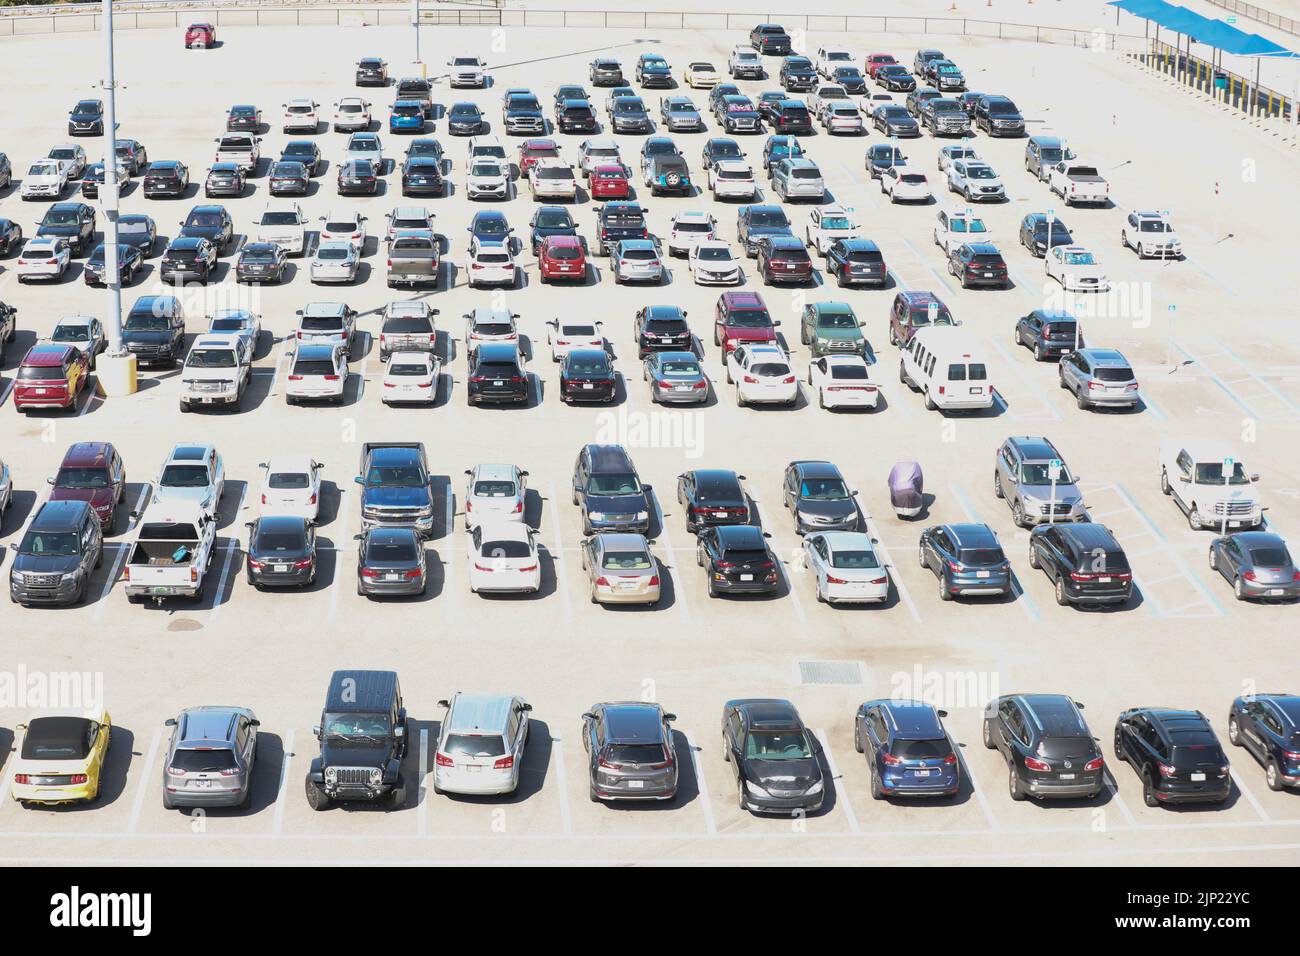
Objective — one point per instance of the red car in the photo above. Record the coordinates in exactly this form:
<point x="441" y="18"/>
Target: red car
<point x="610" y="182"/>
<point x="561" y="257"/>
<point x="531" y="150"/>
<point x="876" y="60"/>
<point x="93" y="472"/>
<point x="200" y="36"/>
<point x="741" y="317"/>
<point x="51" y="376"/>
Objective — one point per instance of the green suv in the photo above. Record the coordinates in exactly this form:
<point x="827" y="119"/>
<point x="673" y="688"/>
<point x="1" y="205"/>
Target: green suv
<point x="832" y="328"/>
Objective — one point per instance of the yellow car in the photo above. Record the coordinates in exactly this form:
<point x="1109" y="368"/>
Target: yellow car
<point x="700" y="76"/>
<point x="62" y="757"/>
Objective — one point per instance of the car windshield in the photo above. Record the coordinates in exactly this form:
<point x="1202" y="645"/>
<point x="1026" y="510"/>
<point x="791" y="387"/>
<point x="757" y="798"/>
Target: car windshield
<point x="132" y="228"/>
<point x="203" y="219"/>
<point x="836" y="222"/>
<point x="1039" y="473"/>
<point x="1155" y="225"/>
<point x="823" y="489"/>
<point x="837" y="320"/>
<point x="61" y="217"/>
<point x="374" y="726"/>
<point x="1079" y="259"/>
<point x="855" y="560"/>
<point x="184" y="476"/>
<point x="768" y="218"/>
<point x="462" y="110"/>
<point x="714" y="254"/>
<point x="70" y="333"/>
<point x="364" y="146"/>
<point x="74" y="477"/>
<point x="487" y="169"/>
<point x="55" y="544"/>
<point x="613" y="484"/>
<point x="1212" y="472"/>
<point x="211" y="358"/>
<point x="491" y="227"/>
<point x="394" y="476"/>
<point x="980" y="172"/>
<point x="146" y="323"/>
<point x="777" y="745"/>
<point x="749" y="319"/>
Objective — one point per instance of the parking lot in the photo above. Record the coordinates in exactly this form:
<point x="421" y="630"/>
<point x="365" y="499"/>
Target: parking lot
<point x="1210" y="337"/>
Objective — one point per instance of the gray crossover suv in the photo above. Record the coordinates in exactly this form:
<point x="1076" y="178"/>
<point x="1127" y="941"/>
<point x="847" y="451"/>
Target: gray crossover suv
<point x="630" y="753"/>
<point x="210" y="758"/>
<point x="1023" y="473"/>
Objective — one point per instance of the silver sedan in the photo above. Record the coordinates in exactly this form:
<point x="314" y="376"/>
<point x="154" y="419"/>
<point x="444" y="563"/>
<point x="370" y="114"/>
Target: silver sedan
<point x="675" y="377"/>
<point x="335" y="261"/>
<point x="621" y="569"/>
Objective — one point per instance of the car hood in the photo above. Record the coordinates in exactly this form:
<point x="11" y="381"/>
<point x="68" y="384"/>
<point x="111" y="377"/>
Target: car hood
<point x="1080" y="270"/>
<point x="770" y="231"/>
<point x="45" y="564"/>
<point x="616" y="503"/>
<point x="783" y="774"/>
<point x="95" y="497"/>
<point x="839" y="335"/>
<point x="767" y="334"/>
<point x="42" y="178"/>
<point x="58" y="231"/>
<point x="338" y="753"/>
<point x="840" y="508"/>
<point x="397" y="497"/>
<point x="1231" y="493"/>
<point x="141" y="241"/>
<point x="201" y="232"/>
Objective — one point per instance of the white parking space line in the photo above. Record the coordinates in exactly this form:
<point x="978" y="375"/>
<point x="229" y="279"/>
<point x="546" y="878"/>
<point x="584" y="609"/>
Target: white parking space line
<point x="1250" y="797"/>
<point x="9" y="387"/>
<point x="665" y="539"/>
<point x="781" y="569"/>
<point x="447" y="547"/>
<point x="559" y="558"/>
<point x="1032" y="387"/>
<point x="286" y="756"/>
<point x="231" y="549"/>
<point x="978" y="791"/>
<point x="342" y="521"/>
<point x="841" y="789"/>
<point x="561" y="784"/>
<point x="421" y="790"/>
<point x="280" y="361"/>
<point x="145" y="781"/>
<point x="897" y="579"/>
<point x="701" y="785"/>
<point x="1023" y="600"/>
<point x="1115" y="797"/>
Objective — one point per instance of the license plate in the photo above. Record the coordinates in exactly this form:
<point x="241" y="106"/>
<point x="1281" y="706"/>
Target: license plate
<point x="41" y="391"/>
<point x="922" y="773"/>
<point x="498" y="382"/>
<point x="160" y="590"/>
<point x="981" y="574"/>
<point x="392" y="577"/>
<point x="719" y="514"/>
<point x="1274" y="592"/>
<point x="281" y="568"/>
<point x="587" y="385"/>
<point x="473" y="768"/>
<point x="746" y="577"/>
<point x="1067" y="776"/>
<point x="977" y="391"/>
<point x="627" y="585"/>
<point x="203" y="784"/>
<point x="1103" y="580"/>
<point x="1198" y="778"/>
<point x="988" y="275"/>
<point x="636" y="784"/>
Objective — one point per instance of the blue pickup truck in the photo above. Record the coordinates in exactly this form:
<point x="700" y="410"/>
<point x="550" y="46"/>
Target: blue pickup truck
<point x="396" y="489"/>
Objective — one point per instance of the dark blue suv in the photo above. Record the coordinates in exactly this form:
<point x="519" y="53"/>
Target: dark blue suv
<point x="908" y="751"/>
<point x="1268" y="725"/>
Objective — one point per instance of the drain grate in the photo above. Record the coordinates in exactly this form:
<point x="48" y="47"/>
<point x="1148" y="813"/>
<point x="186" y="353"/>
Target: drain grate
<point x="830" y="672"/>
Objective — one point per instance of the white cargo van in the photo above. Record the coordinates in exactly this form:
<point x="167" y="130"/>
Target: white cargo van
<point x="946" y="364"/>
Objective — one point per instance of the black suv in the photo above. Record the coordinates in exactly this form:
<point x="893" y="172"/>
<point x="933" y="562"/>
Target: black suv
<point x="1085" y="561"/>
<point x="605" y="71"/>
<point x="791" y="117"/>
<point x="496" y="375"/>
<point x="587" y="375"/>
<point x="1035" y="233"/>
<point x="53" y="562"/>
<point x="979" y="263"/>
<point x="74" y="221"/>
<point x="1049" y="750"/>
<point x="1175" y="754"/>
<point x="712" y="496"/>
<point x="662" y="328"/>
<point x="736" y="560"/>
<point x="209" y="222"/>
<point x="609" y="491"/>
<point x="363" y="738"/>
<point x="797" y="74"/>
<point x="575" y="116"/>
<point x="167" y="177"/>
<point x="616" y="221"/>
<point x="998" y="116"/>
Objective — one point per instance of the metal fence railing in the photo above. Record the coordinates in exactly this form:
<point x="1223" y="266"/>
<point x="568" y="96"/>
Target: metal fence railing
<point x="1267" y="17"/>
<point x="1230" y="89"/>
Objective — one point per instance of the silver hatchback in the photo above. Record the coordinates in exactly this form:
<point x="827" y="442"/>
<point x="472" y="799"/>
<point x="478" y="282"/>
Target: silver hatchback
<point x="210" y="758"/>
<point x="630" y="752"/>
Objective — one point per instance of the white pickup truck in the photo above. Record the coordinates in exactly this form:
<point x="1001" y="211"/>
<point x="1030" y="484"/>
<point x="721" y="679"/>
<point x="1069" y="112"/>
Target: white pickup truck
<point x="1078" y="183"/>
<point x="218" y="368"/>
<point x="1210" y="484"/>
<point x="242" y="149"/>
<point x="171" y="555"/>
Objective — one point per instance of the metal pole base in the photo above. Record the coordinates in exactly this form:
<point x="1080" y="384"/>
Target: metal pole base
<point x="115" y="375"/>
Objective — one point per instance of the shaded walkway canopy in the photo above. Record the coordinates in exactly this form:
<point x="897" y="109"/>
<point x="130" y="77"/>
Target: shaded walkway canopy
<point x="1215" y="33"/>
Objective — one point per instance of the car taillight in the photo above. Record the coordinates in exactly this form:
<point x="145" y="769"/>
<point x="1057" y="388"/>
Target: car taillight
<point x="1250" y="576"/>
<point x="750" y="380"/>
<point x="1039" y="766"/>
<point x="412" y="574"/>
<point x="950" y="760"/>
<point x="331" y="378"/>
<point x="254" y="563"/>
<point x="295" y="378"/>
<point x="1094" y="764"/>
<point x="306" y="563"/>
<point x="531" y="567"/>
<point x="519" y="506"/>
<point x="1166" y="770"/>
<point x="311" y="501"/>
<point x="22" y="778"/>
<point x="78" y="778"/>
<point x="51" y="262"/>
<point x="126" y="574"/>
<point x="890" y="760"/>
<point x="654" y="581"/>
<point x="504" y="763"/>
<point x="789" y="380"/>
<point x="194" y="575"/>
<point x="480" y="567"/>
<point x="390" y="263"/>
<point x="442" y="760"/>
<point x="369" y="573"/>
<point x="879" y="580"/>
<point x="831" y="580"/>
<point x="1291" y="755"/>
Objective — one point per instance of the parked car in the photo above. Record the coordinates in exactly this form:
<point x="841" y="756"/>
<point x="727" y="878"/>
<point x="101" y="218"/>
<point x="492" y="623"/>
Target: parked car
<point x="773" y="756"/>
<point x="210" y="758"/>
<point x="281" y="552"/>
<point x="1210" y="485"/>
<point x="832" y="328"/>
<point x="908" y="750"/>
<point x="762" y="375"/>
<point x="217" y="371"/>
<point x="978" y="264"/>
<point x="481" y="743"/>
<point x="496" y="375"/>
<point x="1084" y="561"/>
<point x="53" y="561"/>
<point x="606" y="487"/>
<point x="84" y="332"/>
<point x="846" y="569"/>
<point x="62" y="757"/>
<point x="1257" y="564"/>
<point x="843" y="381"/>
<point x="1176" y="755"/>
<point x="966" y="559"/>
<point x="1266" y="725"/>
<point x="291" y="485"/>
<point x="1049" y="334"/>
<point x="630" y="752"/>
<point x="620" y="569"/>
<point x="391" y="563"/>
<point x="1048" y="748"/>
<point x="52" y="375"/>
<point x="363" y="740"/>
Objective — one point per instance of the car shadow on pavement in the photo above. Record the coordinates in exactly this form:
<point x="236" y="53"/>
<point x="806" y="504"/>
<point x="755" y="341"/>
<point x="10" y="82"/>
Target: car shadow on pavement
<point x="23" y="503"/>
<point x="113" y="775"/>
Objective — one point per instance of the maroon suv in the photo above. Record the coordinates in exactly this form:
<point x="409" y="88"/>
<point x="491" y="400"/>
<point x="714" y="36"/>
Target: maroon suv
<point x="93" y="472"/>
<point x="741" y="317"/>
<point x="784" y="259"/>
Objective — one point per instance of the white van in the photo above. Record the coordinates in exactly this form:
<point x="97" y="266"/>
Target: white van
<point x="946" y="365"/>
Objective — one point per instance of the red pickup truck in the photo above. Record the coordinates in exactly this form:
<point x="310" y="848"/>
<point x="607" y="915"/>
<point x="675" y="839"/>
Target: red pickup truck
<point x="200" y="36"/>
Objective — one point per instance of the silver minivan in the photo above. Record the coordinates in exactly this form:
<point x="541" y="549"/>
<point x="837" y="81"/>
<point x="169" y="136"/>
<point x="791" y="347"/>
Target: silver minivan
<point x="210" y="758"/>
<point x="481" y="744"/>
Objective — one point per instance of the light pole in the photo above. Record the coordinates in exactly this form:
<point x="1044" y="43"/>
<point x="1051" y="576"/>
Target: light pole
<point x="115" y="371"/>
<point x="415" y="23"/>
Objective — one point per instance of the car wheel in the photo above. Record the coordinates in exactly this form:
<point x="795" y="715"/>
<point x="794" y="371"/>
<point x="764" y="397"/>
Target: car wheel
<point x="1081" y="400"/>
<point x="1194" y="517"/>
<point x="1013" y="783"/>
<point x="1061" y="599"/>
<point x="1148" y="791"/>
<point x="1238" y="589"/>
<point x="1214" y="559"/>
<point x="997" y="485"/>
<point x="1033" y="558"/>
<point x="877" y="793"/>
<point x="944" y="593"/>
<point x="1234" y="731"/>
<point x="1018" y="513"/>
<point x="1272" y="777"/>
<point x="987" y="734"/>
<point x="317" y="798"/>
<point x="929" y="402"/>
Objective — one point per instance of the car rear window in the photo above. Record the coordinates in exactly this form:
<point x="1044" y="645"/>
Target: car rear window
<point x="1270" y="557"/>
<point x="410" y="325"/>
<point x="920" y="749"/>
<point x="981" y="557"/>
<point x="974" y="372"/>
<point x="391" y="552"/>
<point x="200" y="761"/>
<point x="475" y="745"/>
<point x="627" y="561"/>
<point x="288" y="480"/>
<point x="849" y="560"/>
<point x="1101" y="561"/>
<point x="635" y="754"/>
<point x="313" y="367"/>
<point x="1065" y="748"/>
<point x="1113" y="374"/>
<point x="321" y="324"/>
<point x="1204" y="752"/>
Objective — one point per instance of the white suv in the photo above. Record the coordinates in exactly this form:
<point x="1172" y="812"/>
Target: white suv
<point x="216" y="372"/>
<point x="299" y="116"/>
<point x="1210" y="485"/>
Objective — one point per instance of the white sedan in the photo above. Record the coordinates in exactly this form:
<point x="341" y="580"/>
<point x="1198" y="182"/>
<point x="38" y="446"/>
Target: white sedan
<point x="845" y="567"/>
<point x="351" y="113"/>
<point x="44" y="259"/>
<point x="1077" y="269"/>
<point x="843" y="381"/>
<point x="762" y="376"/>
<point x="713" y="263"/>
<point x="335" y="261"/>
<point x="411" y="378"/>
<point x="291" y="486"/>
<point x="493" y="493"/>
<point x="903" y="186"/>
<point x="503" y="558"/>
<point x="826" y="224"/>
<point x="565" y="335"/>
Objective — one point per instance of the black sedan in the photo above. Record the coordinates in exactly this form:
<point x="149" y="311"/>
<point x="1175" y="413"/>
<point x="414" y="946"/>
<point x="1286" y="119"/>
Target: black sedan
<point x="129" y="261"/>
<point x="260" y="262"/>
<point x="224" y="179"/>
<point x="139" y="231"/>
<point x="11" y="236"/>
<point x="773" y="757"/>
<point x="391" y="562"/>
<point x="288" y="179"/>
<point x="281" y="552"/>
<point x="587" y="375"/>
<point x="422" y="176"/>
<point x="712" y="496"/>
<point x="736" y="560"/>
<point x="357" y="177"/>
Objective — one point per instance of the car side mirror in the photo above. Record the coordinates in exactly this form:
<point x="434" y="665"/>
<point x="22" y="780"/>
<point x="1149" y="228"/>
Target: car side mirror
<point x="399" y="731"/>
<point x="50" y="480"/>
<point x="134" y="515"/>
<point x="359" y="480"/>
<point x="588" y="716"/>
<point x="1255" y="476"/>
<point x="169" y="722"/>
<point x="315" y="731"/>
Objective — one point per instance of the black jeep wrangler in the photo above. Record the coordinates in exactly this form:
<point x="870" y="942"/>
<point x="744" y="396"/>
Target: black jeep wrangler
<point x="363" y="738"/>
